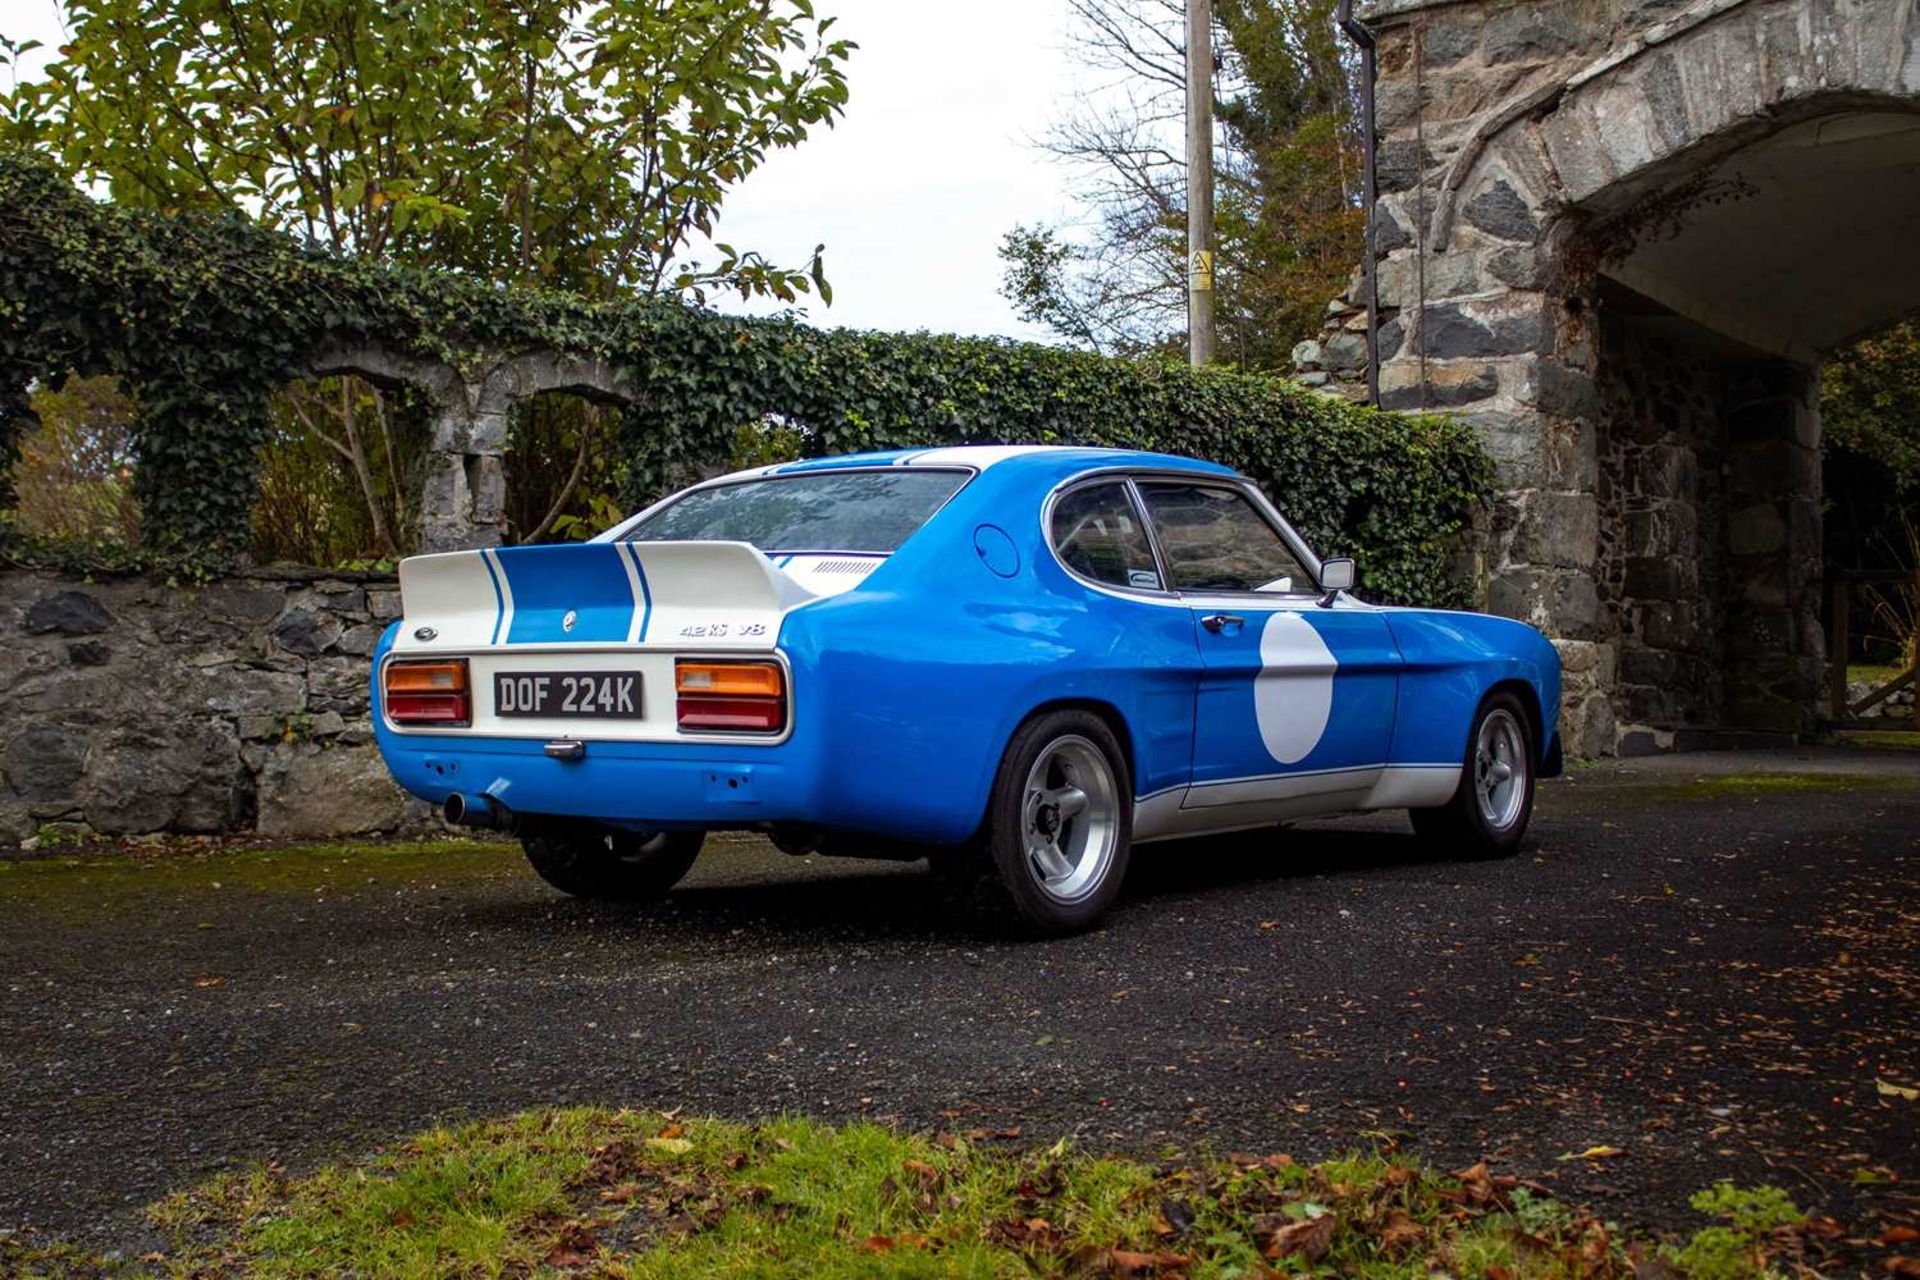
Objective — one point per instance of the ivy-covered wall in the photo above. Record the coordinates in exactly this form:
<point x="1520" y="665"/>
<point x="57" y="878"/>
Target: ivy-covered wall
<point x="204" y="318"/>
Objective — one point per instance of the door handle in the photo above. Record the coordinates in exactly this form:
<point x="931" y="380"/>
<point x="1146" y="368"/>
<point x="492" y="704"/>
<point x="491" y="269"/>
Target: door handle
<point x="1218" y="622"/>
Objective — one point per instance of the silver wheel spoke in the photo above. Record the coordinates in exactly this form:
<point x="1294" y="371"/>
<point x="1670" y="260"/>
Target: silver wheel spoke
<point x="1052" y="863"/>
<point x="1071" y="800"/>
<point x="1070" y="818"/>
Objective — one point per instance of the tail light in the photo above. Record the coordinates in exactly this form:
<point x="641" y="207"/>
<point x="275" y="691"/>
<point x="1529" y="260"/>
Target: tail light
<point x="428" y="692"/>
<point x="737" y="697"/>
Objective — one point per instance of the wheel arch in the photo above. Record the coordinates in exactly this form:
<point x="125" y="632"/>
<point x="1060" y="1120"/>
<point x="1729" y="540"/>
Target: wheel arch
<point x="1115" y="720"/>
<point x="1529" y="699"/>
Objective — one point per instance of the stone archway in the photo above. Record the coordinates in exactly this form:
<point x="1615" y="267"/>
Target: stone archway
<point x="1617" y="237"/>
<point x="462" y="503"/>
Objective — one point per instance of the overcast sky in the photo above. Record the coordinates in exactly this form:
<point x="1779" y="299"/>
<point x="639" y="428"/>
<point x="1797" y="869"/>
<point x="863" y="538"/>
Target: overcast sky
<point x="913" y="189"/>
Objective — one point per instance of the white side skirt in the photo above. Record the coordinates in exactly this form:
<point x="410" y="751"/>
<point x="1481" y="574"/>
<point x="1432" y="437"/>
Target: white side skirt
<point x="1242" y="803"/>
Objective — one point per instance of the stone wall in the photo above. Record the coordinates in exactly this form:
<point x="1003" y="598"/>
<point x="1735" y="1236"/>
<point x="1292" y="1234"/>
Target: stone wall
<point x="1662" y="496"/>
<point x="1658" y="508"/>
<point x="129" y="707"/>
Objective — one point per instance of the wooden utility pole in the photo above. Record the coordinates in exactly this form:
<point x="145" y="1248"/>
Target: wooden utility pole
<point x="1200" y="181"/>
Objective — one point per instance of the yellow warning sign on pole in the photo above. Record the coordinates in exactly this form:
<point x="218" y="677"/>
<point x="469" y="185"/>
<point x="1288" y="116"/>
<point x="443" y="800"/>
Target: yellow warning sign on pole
<point x="1200" y="269"/>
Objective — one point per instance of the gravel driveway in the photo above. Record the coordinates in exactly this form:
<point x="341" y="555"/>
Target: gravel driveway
<point x="1711" y="976"/>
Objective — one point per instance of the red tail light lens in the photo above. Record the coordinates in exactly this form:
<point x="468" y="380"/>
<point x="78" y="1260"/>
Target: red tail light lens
<point x="428" y="692"/>
<point x="734" y="697"/>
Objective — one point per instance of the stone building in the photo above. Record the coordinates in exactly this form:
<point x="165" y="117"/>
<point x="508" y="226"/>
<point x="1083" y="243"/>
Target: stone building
<point x="1617" y="236"/>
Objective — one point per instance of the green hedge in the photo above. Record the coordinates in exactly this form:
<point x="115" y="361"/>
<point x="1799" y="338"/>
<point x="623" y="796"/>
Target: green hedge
<point x="204" y="318"/>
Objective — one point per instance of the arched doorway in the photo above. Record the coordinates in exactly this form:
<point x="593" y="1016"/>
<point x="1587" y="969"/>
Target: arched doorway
<point x="1621" y="248"/>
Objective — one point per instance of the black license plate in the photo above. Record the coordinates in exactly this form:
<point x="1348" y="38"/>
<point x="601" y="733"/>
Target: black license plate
<point x="611" y="695"/>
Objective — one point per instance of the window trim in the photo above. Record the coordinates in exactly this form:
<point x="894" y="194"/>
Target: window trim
<point x="1133" y="478"/>
<point x="618" y="533"/>
<point x="1091" y="480"/>
<point x="1262" y="508"/>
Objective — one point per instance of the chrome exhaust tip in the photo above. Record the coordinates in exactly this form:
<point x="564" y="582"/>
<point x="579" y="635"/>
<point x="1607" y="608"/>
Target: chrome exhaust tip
<point x="476" y="811"/>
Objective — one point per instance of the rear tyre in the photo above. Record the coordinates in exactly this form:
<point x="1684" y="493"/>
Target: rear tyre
<point x="1053" y="853"/>
<point x="1488" y="815"/>
<point x="610" y="865"/>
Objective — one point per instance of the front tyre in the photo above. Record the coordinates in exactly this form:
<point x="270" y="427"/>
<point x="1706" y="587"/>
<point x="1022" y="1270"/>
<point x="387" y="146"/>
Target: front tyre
<point x="1059" y="826"/>
<point x="1488" y="815"/>
<point x="610" y="865"/>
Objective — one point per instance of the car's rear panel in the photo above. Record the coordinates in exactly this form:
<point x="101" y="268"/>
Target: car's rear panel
<point x="608" y="636"/>
<point x="559" y="620"/>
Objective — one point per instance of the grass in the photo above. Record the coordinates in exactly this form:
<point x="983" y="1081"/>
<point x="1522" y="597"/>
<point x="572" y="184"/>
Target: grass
<point x="589" y="1192"/>
<point x="1878" y="675"/>
<point x="1879" y="739"/>
<point x="1758" y="785"/>
<point x="76" y="887"/>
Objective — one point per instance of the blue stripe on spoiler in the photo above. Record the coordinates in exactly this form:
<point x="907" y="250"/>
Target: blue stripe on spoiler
<point x="499" y="600"/>
<point x="586" y="579"/>
<point x="646" y="592"/>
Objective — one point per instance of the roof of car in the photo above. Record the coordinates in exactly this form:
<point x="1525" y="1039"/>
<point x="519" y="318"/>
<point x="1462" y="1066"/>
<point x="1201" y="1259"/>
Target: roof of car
<point x="982" y="456"/>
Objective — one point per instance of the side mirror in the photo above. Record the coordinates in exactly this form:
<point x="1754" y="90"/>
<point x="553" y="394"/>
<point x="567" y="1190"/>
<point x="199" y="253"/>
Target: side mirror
<point x="1337" y="575"/>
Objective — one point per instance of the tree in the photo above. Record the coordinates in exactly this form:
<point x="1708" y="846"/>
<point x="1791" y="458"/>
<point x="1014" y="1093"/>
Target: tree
<point x="1870" y="424"/>
<point x="577" y="143"/>
<point x="1288" y="216"/>
<point x="1870" y="404"/>
<point x="580" y="144"/>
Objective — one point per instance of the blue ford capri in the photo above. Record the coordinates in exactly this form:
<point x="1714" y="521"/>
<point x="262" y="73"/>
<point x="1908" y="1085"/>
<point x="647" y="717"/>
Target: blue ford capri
<point x="1017" y="662"/>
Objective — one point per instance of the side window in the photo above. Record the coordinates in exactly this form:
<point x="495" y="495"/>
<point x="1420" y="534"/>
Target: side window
<point x="1214" y="540"/>
<point x="1098" y="536"/>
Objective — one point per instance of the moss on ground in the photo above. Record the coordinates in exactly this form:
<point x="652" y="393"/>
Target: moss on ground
<point x="622" y="1194"/>
<point x="80" y="886"/>
<point x="1879" y="739"/>
<point x="1757" y="785"/>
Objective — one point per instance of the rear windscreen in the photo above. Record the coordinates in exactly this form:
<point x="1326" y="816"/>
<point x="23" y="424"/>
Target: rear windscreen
<point x="870" y="511"/>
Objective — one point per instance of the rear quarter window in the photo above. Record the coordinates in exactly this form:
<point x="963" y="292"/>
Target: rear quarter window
<point x="860" y="511"/>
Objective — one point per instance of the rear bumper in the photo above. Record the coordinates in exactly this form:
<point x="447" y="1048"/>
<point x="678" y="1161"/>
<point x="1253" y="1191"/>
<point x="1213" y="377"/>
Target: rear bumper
<point x="646" y="784"/>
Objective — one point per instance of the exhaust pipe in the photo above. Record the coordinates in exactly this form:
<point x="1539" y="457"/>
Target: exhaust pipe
<point x="476" y="811"/>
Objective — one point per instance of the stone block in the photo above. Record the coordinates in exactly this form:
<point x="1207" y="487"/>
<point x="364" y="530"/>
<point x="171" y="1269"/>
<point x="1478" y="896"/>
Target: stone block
<point x="1558" y="529"/>
<point x="1645" y="704"/>
<point x="1587" y="726"/>
<point x="1578" y="154"/>
<point x="1399" y="163"/>
<point x="238" y="690"/>
<point x="69" y="613"/>
<point x="1308" y="355"/>
<point x="189" y="779"/>
<point x="1552" y="387"/>
<point x="1443" y="43"/>
<point x="1501" y="211"/>
<point x="384" y="605"/>
<point x="1669" y="624"/>
<point x="1388" y="340"/>
<point x="89" y="653"/>
<point x="45" y="763"/>
<point x="1518" y="267"/>
<point x="1757" y="530"/>
<point x="311" y="792"/>
<point x="1389" y="233"/>
<point x="306" y="632"/>
<point x="1452" y="331"/>
<point x="1562" y="603"/>
<point x="1345" y="352"/>
<point x="1661" y="578"/>
<point x="360" y="641"/>
<point x="337" y="683"/>
<point x="1666" y="99"/>
<point x="1532" y="32"/>
<point x="1447" y="386"/>
<point x="1447" y="275"/>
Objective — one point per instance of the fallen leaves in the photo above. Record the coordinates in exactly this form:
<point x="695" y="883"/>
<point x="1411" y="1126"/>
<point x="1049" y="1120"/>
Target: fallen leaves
<point x="1307" y="1240"/>
<point x="1888" y="1089"/>
<point x="1594" y="1153"/>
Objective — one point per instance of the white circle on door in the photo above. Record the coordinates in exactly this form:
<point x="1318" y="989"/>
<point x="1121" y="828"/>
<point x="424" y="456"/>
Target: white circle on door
<point x="1293" y="694"/>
